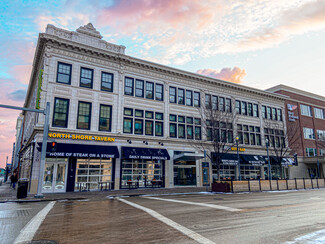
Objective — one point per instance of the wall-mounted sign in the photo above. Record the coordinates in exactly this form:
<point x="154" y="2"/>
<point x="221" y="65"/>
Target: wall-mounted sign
<point x="80" y="137"/>
<point x="240" y="149"/>
<point x="291" y="115"/>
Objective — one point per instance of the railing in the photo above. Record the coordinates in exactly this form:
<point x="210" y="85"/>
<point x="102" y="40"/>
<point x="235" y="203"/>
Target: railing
<point x="275" y="185"/>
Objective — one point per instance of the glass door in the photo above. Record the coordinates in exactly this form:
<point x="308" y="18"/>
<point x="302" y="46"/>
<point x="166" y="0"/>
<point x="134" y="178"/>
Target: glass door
<point x="54" y="177"/>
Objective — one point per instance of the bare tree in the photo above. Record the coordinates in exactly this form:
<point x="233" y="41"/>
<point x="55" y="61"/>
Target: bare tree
<point x="218" y="119"/>
<point x="283" y="140"/>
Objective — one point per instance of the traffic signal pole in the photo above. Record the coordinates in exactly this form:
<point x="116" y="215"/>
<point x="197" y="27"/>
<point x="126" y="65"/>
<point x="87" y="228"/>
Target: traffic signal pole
<point x="46" y="112"/>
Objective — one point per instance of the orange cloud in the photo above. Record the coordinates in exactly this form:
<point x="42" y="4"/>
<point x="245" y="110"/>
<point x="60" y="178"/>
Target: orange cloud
<point x="235" y="74"/>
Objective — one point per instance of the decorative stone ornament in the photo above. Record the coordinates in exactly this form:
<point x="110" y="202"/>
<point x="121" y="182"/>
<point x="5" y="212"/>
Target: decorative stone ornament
<point x="90" y="30"/>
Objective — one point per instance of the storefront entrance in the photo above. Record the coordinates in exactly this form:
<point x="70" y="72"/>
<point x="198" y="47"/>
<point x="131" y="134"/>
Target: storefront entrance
<point x="55" y="175"/>
<point x="185" y="175"/>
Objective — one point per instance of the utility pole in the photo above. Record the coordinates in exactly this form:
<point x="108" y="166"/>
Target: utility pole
<point x="46" y="112"/>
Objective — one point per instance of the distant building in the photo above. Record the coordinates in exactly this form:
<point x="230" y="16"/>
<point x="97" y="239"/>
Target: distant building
<point x="305" y="111"/>
<point x="120" y="120"/>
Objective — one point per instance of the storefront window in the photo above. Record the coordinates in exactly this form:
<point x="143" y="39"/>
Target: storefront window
<point x="141" y="171"/>
<point x="93" y="171"/>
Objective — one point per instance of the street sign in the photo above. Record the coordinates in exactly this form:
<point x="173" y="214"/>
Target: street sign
<point x="241" y="149"/>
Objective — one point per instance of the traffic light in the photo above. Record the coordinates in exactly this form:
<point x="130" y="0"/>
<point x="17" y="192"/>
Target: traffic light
<point x="295" y="156"/>
<point x="53" y="146"/>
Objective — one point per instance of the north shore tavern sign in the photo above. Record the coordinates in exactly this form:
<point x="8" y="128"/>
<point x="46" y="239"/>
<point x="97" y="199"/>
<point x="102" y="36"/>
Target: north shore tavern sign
<point x="80" y="137"/>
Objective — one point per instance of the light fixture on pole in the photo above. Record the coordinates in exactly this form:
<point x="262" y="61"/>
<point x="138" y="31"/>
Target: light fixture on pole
<point x="268" y="158"/>
<point x="238" y="161"/>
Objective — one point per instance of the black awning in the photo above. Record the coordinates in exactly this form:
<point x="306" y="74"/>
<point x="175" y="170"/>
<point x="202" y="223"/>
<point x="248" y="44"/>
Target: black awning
<point x="229" y="159"/>
<point x="144" y="153"/>
<point x="80" y="151"/>
<point x="255" y="160"/>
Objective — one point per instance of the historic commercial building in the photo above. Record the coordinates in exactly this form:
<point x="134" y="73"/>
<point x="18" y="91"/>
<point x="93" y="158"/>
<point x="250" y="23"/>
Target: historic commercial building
<point x="305" y="116"/>
<point x="125" y="122"/>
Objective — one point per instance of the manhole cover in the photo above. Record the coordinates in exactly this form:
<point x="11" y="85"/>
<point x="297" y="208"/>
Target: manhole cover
<point x="43" y="242"/>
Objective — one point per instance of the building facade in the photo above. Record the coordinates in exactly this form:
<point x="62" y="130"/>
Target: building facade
<point x="305" y="115"/>
<point x="125" y="122"/>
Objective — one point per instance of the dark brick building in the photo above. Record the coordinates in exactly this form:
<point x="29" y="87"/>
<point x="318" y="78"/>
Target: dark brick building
<point x="305" y="117"/>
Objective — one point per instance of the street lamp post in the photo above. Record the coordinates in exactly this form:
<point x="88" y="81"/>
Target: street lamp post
<point x="268" y="158"/>
<point x="238" y="161"/>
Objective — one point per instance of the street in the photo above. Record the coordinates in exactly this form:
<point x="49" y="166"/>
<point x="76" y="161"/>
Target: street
<point x="262" y="217"/>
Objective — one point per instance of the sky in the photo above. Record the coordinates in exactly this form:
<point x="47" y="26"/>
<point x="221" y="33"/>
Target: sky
<point x="257" y="43"/>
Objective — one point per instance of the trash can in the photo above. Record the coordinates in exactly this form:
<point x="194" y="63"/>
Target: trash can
<point x="22" y="188"/>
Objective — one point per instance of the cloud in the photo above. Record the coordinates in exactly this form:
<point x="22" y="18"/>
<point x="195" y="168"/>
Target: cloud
<point x="235" y="74"/>
<point x="21" y="73"/>
<point x="18" y="95"/>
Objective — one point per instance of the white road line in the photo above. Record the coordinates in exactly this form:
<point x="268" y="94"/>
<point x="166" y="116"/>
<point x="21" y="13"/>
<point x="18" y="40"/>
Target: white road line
<point x="315" y="237"/>
<point x="191" y="234"/>
<point x="198" y="204"/>
<point x="28" y="232"/>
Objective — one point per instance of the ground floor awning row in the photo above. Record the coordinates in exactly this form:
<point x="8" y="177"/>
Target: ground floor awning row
<point x="80" y="151"/>
<point x="145" y="153"/>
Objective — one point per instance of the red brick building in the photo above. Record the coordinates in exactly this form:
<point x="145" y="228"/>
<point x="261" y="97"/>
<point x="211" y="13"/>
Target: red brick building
<point x="305" y="118"/>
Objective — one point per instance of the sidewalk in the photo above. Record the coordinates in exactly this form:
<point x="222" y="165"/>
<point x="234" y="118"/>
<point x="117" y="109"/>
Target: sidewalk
<point x="9" y="195"/>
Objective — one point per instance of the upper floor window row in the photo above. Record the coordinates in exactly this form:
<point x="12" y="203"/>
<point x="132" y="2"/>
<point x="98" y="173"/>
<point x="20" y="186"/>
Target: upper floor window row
<point x="184" y="97"/>
<point x="218" y="103"/>
<point x="61" y="114"/>
<point x="86" y="77"/>
<point x="319" y="113"/>
<point x="247" y="108"/>
<point x="272" y="113"/>
<point x="144" y="89"/>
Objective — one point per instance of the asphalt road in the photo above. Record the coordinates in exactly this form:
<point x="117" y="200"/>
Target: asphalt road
<point x="266" y="217"/>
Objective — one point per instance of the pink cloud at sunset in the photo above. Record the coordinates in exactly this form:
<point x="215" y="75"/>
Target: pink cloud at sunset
<point x="235" y="74"/>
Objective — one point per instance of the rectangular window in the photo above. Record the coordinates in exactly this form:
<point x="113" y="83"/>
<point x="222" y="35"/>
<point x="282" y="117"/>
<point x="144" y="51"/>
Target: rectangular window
<point x="197" y="99"/>
<point x="279" y="114"/>
<point x="172" y="130"/>
<point x="197" y="121"/>
<point x="181" y="119"/>
<point x="139" y="88"/>
<point x="128" y="86"/>
<point x="159" y="116"/>
<point x="181" y="131"/>
<point x="228" y="105"/>
<point x="172" y="94"/>
<point x="252" y="138"/>
<point x="159" y="129"/>
<point x="128" y="111"/>
<point x="60" y="114"/>
<point x="105" y="113"/>
<point x="149" y="115"/>
<point x="250" y="109"/>
<point x="149" y="90"/>
<point x="246" y="138"/>
<point x="189" y="133"/>
<point x="319" y="113"/>
<point x="238" y="107"/>
<point x="207" y="101"/>
<point x="243" y="108"/>
<point x="269" y="113"/>
<point x="139" y="113"/>
<point x="264" y="112"/>
<point x="321" y="152"/>
<point x="181" y="98"/>
<point x="107" y="82"/>
<point x="311" y="152"/>
<point x="222" y="104"/>
<point x="189" y="98"/>
<point x="255" y="110"/>
<point x="258" y="140"/>
<point x="189" y="120"/>
<point x="127" y="125"/>
<point x="86" y="77"/>
<point x="172" y="117"/>
<point x="321" y="135"/>
<point x="305" y="110"/>
<point x="214" y="102"/>
<point x="149" y="127"/>
<point x="309" y="133"/>
<point x="159" y="92"/>
<point x="197" y="133"/>
<point x="274" y="115"/>
<point x="84" y="116"/>
<point x="209" y="134"/>
<point x="138" y="126"/>
<point x="64" y="73"/>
